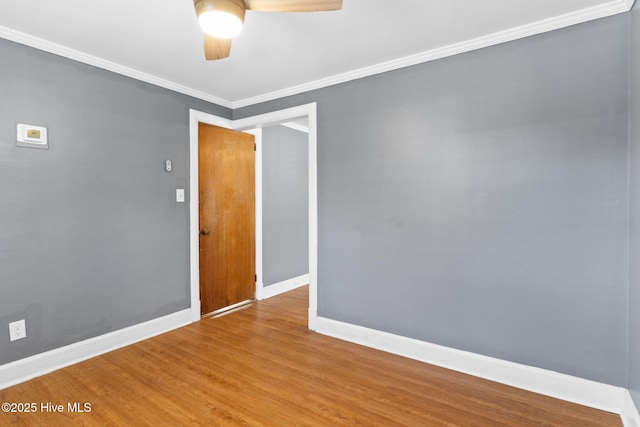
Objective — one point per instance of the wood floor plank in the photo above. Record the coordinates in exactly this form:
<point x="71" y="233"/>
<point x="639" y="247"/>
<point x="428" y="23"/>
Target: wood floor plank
<point x="261" y="366"/>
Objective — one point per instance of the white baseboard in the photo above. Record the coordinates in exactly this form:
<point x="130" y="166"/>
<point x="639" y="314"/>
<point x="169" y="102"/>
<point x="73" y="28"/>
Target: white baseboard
<point x="312" y="319"/>
<point x="630" y="416"/>
<point x="561" y="386"/>
<point x="40" y="364"/>
<point x="284" y="286"/>
<point x="259" y="291"/>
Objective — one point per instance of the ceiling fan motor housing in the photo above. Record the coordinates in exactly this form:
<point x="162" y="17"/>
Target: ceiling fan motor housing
<point x="234" y="7"/>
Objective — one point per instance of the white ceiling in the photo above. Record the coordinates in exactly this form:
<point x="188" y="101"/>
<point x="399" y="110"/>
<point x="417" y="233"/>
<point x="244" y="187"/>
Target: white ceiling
<point x="279" y="53"/>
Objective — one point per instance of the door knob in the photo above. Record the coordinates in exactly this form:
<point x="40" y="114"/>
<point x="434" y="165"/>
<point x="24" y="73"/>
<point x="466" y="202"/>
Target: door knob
<point x="204" y="231"/>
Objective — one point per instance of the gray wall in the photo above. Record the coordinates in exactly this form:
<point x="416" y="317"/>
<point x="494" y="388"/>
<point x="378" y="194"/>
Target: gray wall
<point x="285" y="204"/>
<point x="91" y="238"/>
<point x="634" y="265"/>
<point x="480" y="201"/>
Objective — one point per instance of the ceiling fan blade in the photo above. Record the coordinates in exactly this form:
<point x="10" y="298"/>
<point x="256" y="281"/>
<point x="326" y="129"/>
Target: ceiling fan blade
<point x="215" y="48"/>
<point x="293" y="5"/>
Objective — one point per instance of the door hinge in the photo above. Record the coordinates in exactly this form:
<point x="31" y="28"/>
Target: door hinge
<point x="256" y="277"/>
<point x="255" y="146"/>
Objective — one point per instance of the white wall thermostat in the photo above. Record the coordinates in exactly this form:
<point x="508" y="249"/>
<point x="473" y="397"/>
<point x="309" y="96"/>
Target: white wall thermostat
<point x="167" y="166"/>
<point x="31" y="136"/>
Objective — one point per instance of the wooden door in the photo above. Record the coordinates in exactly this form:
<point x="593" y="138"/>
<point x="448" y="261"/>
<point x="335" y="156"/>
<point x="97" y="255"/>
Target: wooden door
<point x="227" y="217"/>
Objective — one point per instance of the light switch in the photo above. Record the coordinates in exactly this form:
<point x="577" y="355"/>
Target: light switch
<point x="180" y="195"/>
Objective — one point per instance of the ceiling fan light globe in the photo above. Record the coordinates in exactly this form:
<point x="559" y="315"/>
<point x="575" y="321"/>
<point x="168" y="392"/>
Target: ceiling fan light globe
<point x="219" y="24"/>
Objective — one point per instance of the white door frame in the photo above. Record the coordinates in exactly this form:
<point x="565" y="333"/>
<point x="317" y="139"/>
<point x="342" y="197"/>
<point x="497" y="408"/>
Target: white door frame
<point x="253" y="125"/>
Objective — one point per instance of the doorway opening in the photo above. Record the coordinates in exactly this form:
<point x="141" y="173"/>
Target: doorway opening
<point x="285" y="208"/>
<point x="254" y="125"/>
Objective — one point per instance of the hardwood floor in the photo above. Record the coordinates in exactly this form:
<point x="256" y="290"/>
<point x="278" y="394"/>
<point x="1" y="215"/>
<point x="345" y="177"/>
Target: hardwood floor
<point x="260" y="366"/>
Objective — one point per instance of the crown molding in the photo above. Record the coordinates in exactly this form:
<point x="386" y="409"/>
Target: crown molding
<point x="47" y="46"/>
<point x="607" y="9"/>
<point x="539" y="27"/>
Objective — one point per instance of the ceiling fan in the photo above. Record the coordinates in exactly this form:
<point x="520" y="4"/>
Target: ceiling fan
<point x="222" y="20"/>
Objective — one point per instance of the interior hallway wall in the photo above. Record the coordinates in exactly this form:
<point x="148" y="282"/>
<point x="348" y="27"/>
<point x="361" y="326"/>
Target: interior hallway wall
<point x="285" y="204"/>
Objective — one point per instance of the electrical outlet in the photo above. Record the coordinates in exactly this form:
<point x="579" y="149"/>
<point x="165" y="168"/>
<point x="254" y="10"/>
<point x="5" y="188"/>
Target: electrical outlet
<point x="17" y="330"/>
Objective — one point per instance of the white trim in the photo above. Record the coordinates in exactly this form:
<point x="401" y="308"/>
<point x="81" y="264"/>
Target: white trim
<point x="596" y="12"/>
<point x="31" y="367"/>
<point x="47" y="46"/>
<point x="630" y="416"/>
<point x="296" y="126"/>
<point x="284" y="286"/>
<point x="561" y="386"/>
<point x="566" y="20"/>
<point x="313" y="319"/>
<point x="309" y="111"/>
